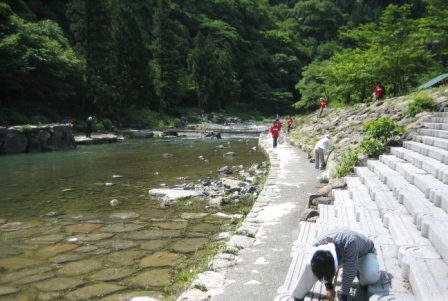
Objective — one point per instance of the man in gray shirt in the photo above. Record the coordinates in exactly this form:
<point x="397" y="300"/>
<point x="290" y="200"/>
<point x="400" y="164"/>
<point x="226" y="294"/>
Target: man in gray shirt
<point x="339" y="248"/>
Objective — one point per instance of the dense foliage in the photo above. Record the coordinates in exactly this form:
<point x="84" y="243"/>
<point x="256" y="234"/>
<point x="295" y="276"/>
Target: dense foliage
<point x="82" y="57"/>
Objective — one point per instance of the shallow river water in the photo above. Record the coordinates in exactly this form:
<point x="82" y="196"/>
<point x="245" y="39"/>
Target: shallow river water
<point x="90" y="250"/>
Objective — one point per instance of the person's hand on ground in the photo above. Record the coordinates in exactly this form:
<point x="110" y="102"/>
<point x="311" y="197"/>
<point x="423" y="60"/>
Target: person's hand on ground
<point x="330" y="295"/>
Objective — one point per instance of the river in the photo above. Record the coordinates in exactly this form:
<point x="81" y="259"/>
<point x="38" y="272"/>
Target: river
<point x="91" y="250"/>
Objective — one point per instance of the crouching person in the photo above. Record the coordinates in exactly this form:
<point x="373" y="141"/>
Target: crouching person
<point x="343" y="248"/>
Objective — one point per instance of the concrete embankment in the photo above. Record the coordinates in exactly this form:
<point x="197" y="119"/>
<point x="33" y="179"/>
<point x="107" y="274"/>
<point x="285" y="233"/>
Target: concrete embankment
<point x="263" y="260"/>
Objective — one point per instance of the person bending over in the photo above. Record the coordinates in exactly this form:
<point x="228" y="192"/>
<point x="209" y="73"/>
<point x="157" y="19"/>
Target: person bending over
<point x="321" y="146"/>
<point x="345" y="248"/>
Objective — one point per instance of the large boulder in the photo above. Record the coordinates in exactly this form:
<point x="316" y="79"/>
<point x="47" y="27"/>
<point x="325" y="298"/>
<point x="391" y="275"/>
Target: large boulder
<point x="15" y="142"/>
<point x="19" y="139"/>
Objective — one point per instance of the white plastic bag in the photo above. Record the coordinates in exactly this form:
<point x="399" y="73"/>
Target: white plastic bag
<point x="281" y="137"/>
<point x="324" y="177"/>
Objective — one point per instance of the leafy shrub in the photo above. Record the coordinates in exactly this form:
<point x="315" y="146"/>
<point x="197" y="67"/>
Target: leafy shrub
<point x="12" y="117"/>
<point x="372" y="148"/>
<point x="107" y="124"/>
<point x="176" y="123"/>
<point x="134" y="115"/>
<point x="26" y="129"/>
<point x="346" y="163"/>
<point x="383" y="129"/>
<point x="421" y="104"/>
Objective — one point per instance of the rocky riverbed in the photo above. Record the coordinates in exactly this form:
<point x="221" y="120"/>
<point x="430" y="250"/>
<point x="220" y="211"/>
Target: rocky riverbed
<point x="124" y="255"/>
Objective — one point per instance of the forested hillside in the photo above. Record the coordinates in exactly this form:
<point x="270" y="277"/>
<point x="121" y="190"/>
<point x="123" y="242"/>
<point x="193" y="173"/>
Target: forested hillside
<point x="117" y="57"/>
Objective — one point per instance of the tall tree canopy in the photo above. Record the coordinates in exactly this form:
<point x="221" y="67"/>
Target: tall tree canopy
<point x="100" y="57"/>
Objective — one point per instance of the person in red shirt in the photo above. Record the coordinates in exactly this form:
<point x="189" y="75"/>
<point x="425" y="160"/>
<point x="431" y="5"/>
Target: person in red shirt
<point x="289" y="122"/>
<point x="323" y="105"/>
<point x="275" y="131"/>
<point x="379" y="92"/>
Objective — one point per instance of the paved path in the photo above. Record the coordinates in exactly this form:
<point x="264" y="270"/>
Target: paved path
<point x="263" y="266"/>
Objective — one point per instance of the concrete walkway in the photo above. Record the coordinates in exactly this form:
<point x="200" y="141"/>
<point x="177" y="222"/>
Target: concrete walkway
<point x="261" y="268"/>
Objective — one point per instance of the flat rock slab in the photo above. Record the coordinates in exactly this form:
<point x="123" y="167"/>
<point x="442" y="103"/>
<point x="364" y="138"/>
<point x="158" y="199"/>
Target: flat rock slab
<point x="55" y="250"/>
<point x="35" y="278"/>
<point x="189" y="245"/>
<point x="172" y="194"/>
<point x="90" y="237"/>
<point x="46" y="239"/>
<point x="7" y="290"/>
<point x="124" y="215"/>
<point x="86" y="249"/>
<point x="171" y="225"/>
<point x="160" y="259"/>
<point x="205" y="228"/>
<point x="240" y="242"/>
<point x="134" y="296"/>
<point x="14" y="226"/>
<point x="66" y="258"/>
<point x="58" y="284"/>
<point x="118" y="228"/>
<point x="16" y="276"/>
<point x="117" y="244"/>
<point x="154" y="245"/>
<point x="50" y="296"/>
<point x="6" y="250"/>
<point x="82" y="228"/>
<point x="95" y="290"/>
<point x="153" y="234"/>
<point x="112" y="274"/>
<point x="31" y="232"/>
<point x="192" y="215"/>
<point x="17" y="263"/>
<point x="79" y="267"/>
<point x="211" y="280"/>
<point x="153" y="278"/>
<point x="125" y="258"/>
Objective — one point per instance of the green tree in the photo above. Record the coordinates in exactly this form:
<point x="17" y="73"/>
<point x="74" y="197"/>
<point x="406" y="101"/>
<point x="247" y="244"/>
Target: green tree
<point x="433" y="30"/>
<point x="319" y="20"/>
<point x="227" y="87"/>
<point x="202" y="64"/>
<point x="166" y="64"/>
<point x="37" y="64"/>
<point x="311" y="87"/>
<point x="132" y="64"/>
<point x="100" y="55"/>
<point x="387" y="52"/>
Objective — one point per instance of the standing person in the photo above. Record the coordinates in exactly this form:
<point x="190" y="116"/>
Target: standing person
<point x="321" y="146"/>
<point x="89" y="128"/>
<point x="289" y="122"/>
<point x="275" y="131"/>
<point x="379" y="92"/>
<point x="279" y="123"/>
<point x="345" y="248"/>
<point x="323" y="106"/>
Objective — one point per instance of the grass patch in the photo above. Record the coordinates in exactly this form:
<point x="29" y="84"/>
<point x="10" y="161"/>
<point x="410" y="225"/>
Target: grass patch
<point x="421" y="103"/>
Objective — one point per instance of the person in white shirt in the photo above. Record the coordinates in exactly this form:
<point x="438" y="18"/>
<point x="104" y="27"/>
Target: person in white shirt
<point x="321" y="146"/>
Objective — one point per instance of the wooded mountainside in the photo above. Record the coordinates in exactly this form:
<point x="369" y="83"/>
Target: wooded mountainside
<point x="106" y="57"/>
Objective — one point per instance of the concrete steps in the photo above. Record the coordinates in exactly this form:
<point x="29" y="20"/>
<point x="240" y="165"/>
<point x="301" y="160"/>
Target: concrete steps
<point x="401" y="202"/>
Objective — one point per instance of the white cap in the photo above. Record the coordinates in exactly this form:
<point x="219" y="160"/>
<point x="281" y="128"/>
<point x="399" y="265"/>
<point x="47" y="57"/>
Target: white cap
<point x="327" y="136"/>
